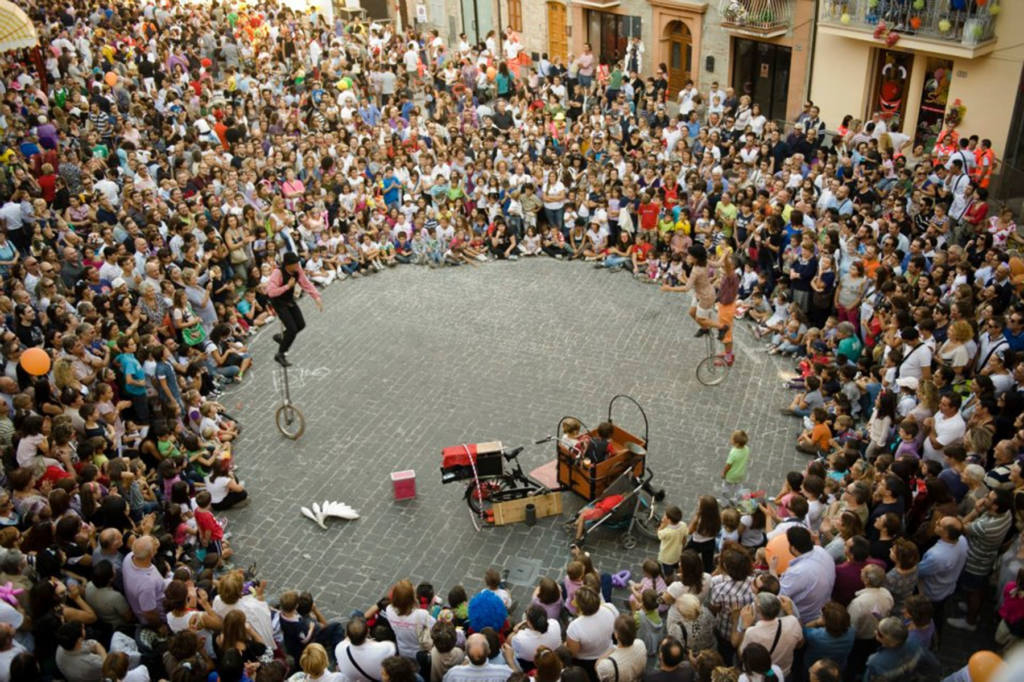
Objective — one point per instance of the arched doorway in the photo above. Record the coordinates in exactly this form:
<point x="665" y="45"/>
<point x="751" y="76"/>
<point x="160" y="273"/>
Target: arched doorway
<point x="680" y="55"/>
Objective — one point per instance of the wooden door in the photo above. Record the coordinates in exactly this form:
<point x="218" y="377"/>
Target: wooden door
<point x="680" y="56"/>
<point x="558" y="42"/>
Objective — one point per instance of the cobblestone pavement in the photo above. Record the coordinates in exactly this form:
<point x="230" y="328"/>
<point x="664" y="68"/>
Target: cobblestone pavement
<point x="403" y="363"/>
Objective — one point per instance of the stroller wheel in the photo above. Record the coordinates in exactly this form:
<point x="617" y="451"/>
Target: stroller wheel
<point x="659" y="495"/>
<point x="628" y="541"/>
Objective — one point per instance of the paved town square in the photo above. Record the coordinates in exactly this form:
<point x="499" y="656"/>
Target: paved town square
<point x="400" y="365"/>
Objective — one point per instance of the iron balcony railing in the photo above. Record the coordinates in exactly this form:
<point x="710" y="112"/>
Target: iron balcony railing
<point x="969" y="22"/>
<point x="764" y="17"/>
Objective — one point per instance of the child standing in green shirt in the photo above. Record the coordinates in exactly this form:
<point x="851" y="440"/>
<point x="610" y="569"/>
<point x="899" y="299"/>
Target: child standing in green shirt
<point x="734" y="475"/>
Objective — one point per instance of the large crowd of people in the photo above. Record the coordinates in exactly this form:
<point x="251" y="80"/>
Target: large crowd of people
<point x="161" y="160"/>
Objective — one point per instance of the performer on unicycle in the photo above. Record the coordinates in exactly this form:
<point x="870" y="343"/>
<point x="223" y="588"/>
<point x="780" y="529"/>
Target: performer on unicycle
<point x="281" y="290"/>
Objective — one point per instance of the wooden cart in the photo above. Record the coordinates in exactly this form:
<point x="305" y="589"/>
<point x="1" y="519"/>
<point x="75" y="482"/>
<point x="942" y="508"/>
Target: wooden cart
<point x="590" y="482"/>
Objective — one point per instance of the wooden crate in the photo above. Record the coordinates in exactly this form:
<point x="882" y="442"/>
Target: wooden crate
<point x="514" y="511"/>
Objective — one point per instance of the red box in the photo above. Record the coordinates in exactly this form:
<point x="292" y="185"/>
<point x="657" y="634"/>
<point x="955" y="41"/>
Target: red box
<point x="457" y="461"/>
<point x="404" y="484"/>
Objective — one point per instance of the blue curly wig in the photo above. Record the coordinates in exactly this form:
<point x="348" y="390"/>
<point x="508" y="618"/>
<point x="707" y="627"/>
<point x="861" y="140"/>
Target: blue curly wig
<point x="487" y="610"/>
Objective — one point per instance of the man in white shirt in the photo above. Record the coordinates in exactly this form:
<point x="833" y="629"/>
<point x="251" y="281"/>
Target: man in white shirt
<point x="947" y="427"/>
<point x="685" y="97"/>
<point x="109" y="189"/>
<point x="359" y="658"/>
<point x="957" y="183"/>
<point x="411" y="59"/>
<point x="872" y="603"/>
<point x="917" y="357"/>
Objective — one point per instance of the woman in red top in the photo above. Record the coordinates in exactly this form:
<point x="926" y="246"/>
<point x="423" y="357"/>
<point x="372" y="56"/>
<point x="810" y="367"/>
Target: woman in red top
<point x="977" y="210"/>
<point x="48" y="183"/>
<point x="670" y="191"/>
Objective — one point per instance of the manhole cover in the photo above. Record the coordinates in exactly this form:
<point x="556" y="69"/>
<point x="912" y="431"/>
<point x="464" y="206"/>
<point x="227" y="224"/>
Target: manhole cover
<point x="524" y="572"/>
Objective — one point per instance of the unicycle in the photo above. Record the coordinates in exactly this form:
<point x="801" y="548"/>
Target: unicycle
<point x="288" y="418"/>
<point x="713" y="369"/>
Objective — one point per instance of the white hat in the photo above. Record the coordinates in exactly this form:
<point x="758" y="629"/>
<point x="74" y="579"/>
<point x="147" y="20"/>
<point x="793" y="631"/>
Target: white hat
<point x="907" y="382"/>
<point x="118" y="282"/>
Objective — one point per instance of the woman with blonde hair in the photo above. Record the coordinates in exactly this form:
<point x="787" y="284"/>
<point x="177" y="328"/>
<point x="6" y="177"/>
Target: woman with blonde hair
<point x="691" y="623"/>
<point x="927" y="401"/>
<point x="955" y="353"/>
<point x="314" y="666"/>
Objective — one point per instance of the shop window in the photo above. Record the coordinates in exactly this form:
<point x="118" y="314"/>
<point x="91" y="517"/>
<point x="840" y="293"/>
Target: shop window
<point x="609" y="34"/>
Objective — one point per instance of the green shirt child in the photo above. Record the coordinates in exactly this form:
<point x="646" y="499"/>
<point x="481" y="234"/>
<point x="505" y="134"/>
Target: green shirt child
<point x="739" y="456"/>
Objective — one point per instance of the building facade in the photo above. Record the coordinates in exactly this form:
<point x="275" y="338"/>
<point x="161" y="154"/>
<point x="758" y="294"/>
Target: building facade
<point x="916" y="61"/>
<point x="759" y="47"/>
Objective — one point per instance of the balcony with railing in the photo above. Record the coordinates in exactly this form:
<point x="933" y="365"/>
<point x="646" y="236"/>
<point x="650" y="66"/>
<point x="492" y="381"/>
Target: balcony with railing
<point x="958" y="28"/>
<point x="760" y="18"/>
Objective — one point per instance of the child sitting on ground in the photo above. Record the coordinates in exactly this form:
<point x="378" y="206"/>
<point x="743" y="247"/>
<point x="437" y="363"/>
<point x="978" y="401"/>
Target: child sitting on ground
<point x="845" y="432"/>
<point x="492" y="579"/>
<point x="572" y="581"/>
<point x="428" y="601"/>
<point x="776" y="322"/>
<point x="650" y="628"/>
<point x="548" y="597"/>
<point x="730" y="531"/>
<point x="211" y="533"/>
<point x="458" y="604"/>
<point x="652" y="580"/>
<point x="838" y="467"/>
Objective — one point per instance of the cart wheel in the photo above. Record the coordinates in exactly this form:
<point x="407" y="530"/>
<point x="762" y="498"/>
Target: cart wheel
<point x="628" y="541"/>
<point x="490" y="488"/>
<point x="290" y="421"/>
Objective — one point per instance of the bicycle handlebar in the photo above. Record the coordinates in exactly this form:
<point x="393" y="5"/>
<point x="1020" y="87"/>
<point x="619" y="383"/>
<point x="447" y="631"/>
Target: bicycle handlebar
<point x="546" y="439"/>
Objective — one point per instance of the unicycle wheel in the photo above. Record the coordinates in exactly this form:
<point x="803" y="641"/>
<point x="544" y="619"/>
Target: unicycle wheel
<point x="290" y="421"/>
<point x="712" y="370"/>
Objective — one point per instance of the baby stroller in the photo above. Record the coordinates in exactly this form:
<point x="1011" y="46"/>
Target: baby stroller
<point x="629" y="505"/>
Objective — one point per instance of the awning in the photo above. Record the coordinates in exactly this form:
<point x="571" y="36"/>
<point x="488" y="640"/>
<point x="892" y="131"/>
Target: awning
<point x="16" y="29"/>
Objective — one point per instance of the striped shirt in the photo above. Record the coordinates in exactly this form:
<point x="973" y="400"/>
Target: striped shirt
<point x="984" y="537"/>
<point x="726" y="596"/>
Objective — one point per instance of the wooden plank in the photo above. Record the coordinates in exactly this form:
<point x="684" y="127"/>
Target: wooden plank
<point x="514" y="511"/>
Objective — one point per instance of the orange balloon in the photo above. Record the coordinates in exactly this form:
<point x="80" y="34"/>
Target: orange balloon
<point x="983" y="665"/>
<point x="110" y="79"/>
<point x="35" y="361"/>
<point x="491" y="73"/>
<point x="779" y="547"/>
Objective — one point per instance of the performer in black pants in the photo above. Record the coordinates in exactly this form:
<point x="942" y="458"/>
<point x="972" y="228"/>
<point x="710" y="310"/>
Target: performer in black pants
<point x="281" y="290"/>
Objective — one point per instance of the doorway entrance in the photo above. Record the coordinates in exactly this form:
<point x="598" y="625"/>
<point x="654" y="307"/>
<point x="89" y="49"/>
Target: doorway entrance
<point x="558" y="42"/>
<point x="680" y="55"/>
<point x="889" y="90"/>
<point x="934" y="93"/>
<point x="761" y="70"/>
<point x="477" y="19"/>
